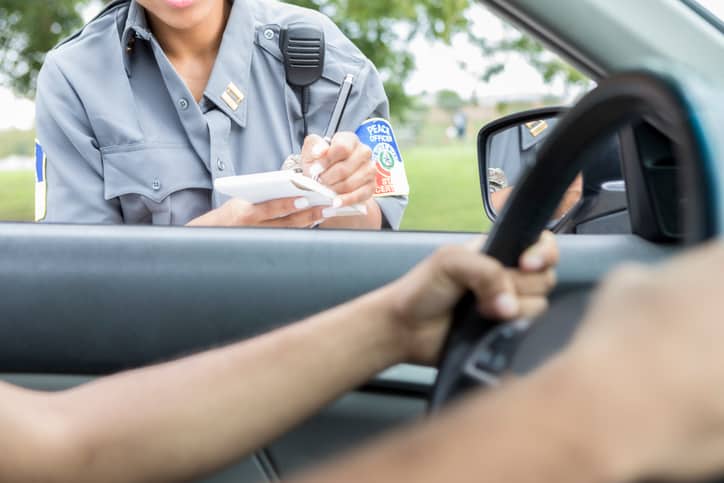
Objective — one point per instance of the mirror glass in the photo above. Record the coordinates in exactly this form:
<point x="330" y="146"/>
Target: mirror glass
<point x="509" y="153"/>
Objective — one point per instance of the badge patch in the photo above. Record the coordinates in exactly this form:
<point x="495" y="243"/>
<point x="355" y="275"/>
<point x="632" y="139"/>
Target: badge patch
<point x="391" y="176"/>
<point x="41" y="185"/>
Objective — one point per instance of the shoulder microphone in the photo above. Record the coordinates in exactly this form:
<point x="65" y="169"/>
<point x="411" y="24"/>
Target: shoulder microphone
<point x="303" y="47"/>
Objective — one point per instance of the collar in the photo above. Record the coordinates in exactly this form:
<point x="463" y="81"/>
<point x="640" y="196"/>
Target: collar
<point x="136" y="27"/>
<point x="229" y="83"/>
<point x="230" y="80"/>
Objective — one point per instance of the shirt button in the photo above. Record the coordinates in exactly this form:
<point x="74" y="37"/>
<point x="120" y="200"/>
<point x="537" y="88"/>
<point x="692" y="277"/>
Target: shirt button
<point x="183" y="104"/>
<point x="220" y="164"/>
<point x="269" y="34"/>
<point x="156" y="184"/>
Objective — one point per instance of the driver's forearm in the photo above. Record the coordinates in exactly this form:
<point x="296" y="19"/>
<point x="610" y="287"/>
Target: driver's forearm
<point x="543" y="429"/>
<point x="179" y="420"/>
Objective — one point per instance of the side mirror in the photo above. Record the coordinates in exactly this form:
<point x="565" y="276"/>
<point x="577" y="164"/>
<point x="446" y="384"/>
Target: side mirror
<point x="507" y="148"/>
<point x="595" y="204"/>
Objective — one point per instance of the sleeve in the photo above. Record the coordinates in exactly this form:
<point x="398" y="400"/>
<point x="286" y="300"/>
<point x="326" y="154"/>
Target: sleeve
<point x="72" y="168"/>
<point x="374" y="104"/>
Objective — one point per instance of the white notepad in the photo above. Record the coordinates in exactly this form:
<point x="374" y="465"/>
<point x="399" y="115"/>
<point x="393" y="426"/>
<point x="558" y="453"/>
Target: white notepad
<point x="262" y="187"/>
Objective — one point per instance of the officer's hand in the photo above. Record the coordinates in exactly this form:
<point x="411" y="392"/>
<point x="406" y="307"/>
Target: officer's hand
<point x="345" y="166"/>
<point x="650" y="356"/>
<point x="424" y="298"/>
<point x="281" y="213"/>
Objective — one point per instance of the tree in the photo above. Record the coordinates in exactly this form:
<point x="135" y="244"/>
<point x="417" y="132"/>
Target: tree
<point x="514" y="42"/>
<point x="28" y="29"/>
<point x="382" y="29"/>
<point x="449" y="101"/>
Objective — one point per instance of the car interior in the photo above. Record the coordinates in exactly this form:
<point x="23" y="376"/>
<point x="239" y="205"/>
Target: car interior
<point x="80" y="302"/>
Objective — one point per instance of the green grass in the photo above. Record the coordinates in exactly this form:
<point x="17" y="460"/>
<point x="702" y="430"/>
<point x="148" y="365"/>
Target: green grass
<point x="444" y="189"/>
<point x="17" y="195"/>
<point x="445" y="194"/>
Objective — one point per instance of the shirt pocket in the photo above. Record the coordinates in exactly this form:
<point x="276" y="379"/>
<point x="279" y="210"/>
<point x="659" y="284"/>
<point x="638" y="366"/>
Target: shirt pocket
<point x="144" y="177"/>
<point x="152" y="171"/>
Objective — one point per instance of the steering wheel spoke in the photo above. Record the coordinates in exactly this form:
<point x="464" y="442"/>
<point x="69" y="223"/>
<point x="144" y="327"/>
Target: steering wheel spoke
<point x="493" y="356"/>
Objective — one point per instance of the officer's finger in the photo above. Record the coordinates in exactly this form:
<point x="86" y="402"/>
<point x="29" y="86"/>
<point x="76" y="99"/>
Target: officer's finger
<point x="365" y="175"/>
<point x="314" y="155"/>
<point x="344" y="144"/>
<point x="358" y="164"/>
<point x="274" y="209"/>
<point x="361" y="159"/>
<point x="302" y="219"/>
<point x="361" y="195"/>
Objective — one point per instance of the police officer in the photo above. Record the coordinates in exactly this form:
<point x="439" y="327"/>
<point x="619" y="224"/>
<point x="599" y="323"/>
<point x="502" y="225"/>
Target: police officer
<point x="142" y="110"/>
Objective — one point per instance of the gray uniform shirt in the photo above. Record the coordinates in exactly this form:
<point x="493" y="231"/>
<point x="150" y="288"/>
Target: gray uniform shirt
<point x="125" y="141"/>
<point x="514" y="150"/>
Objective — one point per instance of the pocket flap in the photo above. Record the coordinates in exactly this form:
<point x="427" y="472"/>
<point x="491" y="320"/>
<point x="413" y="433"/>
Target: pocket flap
<point x="152" y="171"/>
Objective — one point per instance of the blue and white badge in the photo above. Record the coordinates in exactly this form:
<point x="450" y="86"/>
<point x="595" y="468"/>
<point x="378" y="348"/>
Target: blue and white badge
<point x="41" y="185"/>
<point x="391" y="177"/>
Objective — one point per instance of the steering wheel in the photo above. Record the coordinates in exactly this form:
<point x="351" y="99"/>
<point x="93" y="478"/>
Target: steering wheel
<point x="478" y="351"/>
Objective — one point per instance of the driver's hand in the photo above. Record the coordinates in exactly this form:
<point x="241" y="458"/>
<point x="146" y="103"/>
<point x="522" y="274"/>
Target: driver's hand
<point x="424" y="298"/>
<point x="650" y="358"/>
<point x="281" y="213"/>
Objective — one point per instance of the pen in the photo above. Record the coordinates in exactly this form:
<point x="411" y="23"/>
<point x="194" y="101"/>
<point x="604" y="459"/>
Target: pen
<point x="294" y="161"/>
<point x="339" y="108"/>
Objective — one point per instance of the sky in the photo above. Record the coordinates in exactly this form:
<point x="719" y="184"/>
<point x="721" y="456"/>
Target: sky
<point x="437" y="68"/>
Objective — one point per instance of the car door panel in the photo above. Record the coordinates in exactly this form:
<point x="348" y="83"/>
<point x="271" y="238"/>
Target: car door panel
<point x="352" y="420"/>
<point x="79" y="302"/>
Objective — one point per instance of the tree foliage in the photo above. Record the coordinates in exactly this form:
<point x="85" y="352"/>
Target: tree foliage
<point x="28" y="29"/>
<point x="382" y="29"/>
<point x="550" y="66"/>
<point x="449" y="100"/>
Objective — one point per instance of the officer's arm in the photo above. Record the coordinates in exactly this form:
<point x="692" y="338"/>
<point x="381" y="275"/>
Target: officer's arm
<point x="369" y="101"/>
<point x="500" y="198"/>
<point x="73" y="173"/>
<point x="571" y="197"/>
<point x="373" y="220"/>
